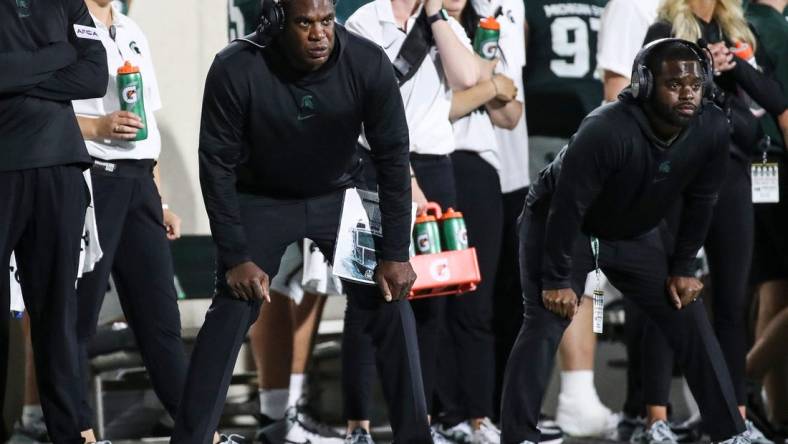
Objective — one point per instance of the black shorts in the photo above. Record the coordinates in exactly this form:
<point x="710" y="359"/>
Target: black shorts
<point x="770" y="258"/>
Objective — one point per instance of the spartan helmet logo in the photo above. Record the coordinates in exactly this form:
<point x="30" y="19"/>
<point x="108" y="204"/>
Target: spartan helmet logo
<point x="308" y="103"/>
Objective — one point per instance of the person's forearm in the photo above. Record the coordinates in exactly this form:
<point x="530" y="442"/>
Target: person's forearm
<point x="614" y="83"/>
<point x="459" y="64"/>
<point x="88" y="126"/>
<point x="465" y="101"/>
<point x="505" y="115"/>
<point x="782" y="121"/>
<point x="87" y="78"/>
<point x="762" y="88"/>
<point x="157" y="180"/>
<point x="217" y="181"/>
<point x="23" y="70"/>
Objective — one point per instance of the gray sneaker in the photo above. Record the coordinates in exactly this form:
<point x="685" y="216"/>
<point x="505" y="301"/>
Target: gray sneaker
<point x="755" y="436"/>
<point x="658" y="433"/>
<point x="359" y="436"/>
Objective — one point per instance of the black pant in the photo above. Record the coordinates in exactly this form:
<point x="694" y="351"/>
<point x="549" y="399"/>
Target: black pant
<point x="42" y="212"/>
<point x="638" y="268"/>
<point x="467" y="381"/>
<point x="270" y="226"/>
<point x="729" y="246"/>
<point x="137" y="254"/>
<point x="435" y="175"/>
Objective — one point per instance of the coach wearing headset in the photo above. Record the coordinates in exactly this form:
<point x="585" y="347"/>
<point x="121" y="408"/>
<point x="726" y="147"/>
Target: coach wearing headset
<point x="602" y="202"/>
<point x="282" y="111"/>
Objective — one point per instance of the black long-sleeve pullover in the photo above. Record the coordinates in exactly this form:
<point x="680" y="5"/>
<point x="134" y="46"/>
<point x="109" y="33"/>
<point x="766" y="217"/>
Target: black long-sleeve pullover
<point x="49" y="56"/>
<point x="616" y="180"/>
<point x="270" y="131"/>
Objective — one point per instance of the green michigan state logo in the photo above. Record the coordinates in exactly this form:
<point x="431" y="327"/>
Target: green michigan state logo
<point x="307" y="107"/>
<point x="664" y="167"/>
<point x="23" y="8"/>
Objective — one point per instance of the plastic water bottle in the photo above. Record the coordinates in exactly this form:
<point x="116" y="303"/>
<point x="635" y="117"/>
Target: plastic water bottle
<point x="130" y="93"/>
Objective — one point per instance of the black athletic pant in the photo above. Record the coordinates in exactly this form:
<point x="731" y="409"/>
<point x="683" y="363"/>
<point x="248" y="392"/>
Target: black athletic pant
<point x="42" y="213"/>
<point x="729" y="246"/>
<point x="270" y="226"/>
<point x="137" y="254"/>
<point x="639" y="269"/>
<point x="467" y="381"/>
<point x="508" y="294"/>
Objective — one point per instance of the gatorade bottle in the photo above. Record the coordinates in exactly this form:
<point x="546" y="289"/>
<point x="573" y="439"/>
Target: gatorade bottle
<point x="485" y="41"/>
<point x="130" y="93"/>
<point x="428" y="239"/>
<point x="744" y="51"/>
<point x="455" y="235"/>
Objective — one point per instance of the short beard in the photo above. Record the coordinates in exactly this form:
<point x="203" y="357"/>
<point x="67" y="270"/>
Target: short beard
<point x="669" y="115"/>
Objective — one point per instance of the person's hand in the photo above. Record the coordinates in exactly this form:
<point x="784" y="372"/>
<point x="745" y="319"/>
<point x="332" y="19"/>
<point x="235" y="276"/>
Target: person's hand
<point x="722" y="57"/>
<point x="394" y="279"/>
<point x="173" y="224"/>
<point x="683" y="290"/>
<point x="505" y="89"/>
<point x="121" y="125"/>
<point x="487" y="68"/>
<point x="562" y="302"/>
<point x="418" y="196"/>
<point x="431" y="7"/>
<point x="248" y="282"/>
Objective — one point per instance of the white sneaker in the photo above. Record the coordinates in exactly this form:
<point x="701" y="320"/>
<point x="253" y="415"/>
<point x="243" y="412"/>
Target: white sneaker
<point x="742" y="438"/>
<point x="585" y="418"/>
<point x="488" y="433"/>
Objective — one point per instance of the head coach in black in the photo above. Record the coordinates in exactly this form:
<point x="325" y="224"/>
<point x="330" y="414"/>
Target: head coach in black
<point x="614" y="183"/>
<point x="50" y="54"/>
<point x="282" y="111"/>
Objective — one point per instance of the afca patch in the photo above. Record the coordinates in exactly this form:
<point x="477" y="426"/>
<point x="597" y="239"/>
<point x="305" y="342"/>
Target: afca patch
<point x="86" y="32"/>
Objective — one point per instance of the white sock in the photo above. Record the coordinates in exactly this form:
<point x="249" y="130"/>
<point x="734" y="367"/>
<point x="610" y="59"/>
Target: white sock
<point x="32" y="414"/>
<point x="273" y="403"/>
<point x="578" y="384"/>
<point x="297" y="381"/>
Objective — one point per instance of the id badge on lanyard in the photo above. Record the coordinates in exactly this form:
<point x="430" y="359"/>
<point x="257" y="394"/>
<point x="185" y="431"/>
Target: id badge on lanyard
<point x="599" y="294"/>
<point x="765" y="178"/>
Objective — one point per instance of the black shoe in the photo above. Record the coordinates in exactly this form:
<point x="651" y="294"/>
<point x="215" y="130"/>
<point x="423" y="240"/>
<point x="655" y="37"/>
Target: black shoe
<point x="298" y="428"/>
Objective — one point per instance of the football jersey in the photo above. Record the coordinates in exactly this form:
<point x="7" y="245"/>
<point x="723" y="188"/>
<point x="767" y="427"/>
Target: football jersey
<point x="244" y="15"/>
<point x="561" y="79"/>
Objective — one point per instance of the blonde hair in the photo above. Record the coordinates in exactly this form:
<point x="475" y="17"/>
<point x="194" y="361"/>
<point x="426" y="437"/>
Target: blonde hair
<point x="728" y="13"/>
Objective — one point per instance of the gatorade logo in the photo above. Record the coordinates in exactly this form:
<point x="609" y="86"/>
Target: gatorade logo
<point x="463" y="235"/>
<point x="129" y="94"/>
<point x="423" y="242"/>
<point x="440" y="271"/>
<point x="86" y="32"/>
<point x="489" y="49"/>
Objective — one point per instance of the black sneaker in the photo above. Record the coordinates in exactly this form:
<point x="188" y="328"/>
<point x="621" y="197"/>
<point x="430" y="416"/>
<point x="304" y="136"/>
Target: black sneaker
<point x="298" y="428"/>
<point x="232" y="439"/>
<point x="359" y="436"/>
<point x="550" y="433"/>
<point x="628" y="426"/>
<point x="37" y="431"/>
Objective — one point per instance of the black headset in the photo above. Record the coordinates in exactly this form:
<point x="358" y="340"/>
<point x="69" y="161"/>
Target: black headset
<point x="272" y="18"/>
<point x="643" y="78"/>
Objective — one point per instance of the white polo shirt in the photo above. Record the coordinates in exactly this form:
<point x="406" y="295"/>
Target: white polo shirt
<point x="129" y="44"/>
<point x="621" y="33"/>
<point x="426" y="96"/>
<point x="511" y="155"/>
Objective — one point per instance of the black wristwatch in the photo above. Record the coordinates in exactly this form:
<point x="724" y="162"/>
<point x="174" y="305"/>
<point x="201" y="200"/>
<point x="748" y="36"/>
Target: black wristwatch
<point x="440" y="15"/>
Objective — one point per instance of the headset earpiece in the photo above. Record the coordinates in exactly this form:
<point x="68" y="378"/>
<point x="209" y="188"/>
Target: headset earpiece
<point x="272" y="18"/>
